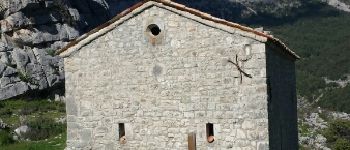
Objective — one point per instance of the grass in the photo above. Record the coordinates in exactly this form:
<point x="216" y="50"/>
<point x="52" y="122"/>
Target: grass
<point x="56" y="143"/>
<point x="51" y="52"/>
<point x="302" y="147"/>
<point x="24" y="76"/>
<point x="304" y="130"/>
<point x="40" y="116"/>
<point x="10" y="110"/>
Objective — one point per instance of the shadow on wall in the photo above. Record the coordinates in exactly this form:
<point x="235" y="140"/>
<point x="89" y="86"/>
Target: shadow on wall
<point x="282" y="101"/>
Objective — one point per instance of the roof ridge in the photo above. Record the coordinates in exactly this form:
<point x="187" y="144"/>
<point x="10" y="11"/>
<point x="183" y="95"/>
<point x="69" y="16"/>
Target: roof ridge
<point x="180" y="7"/>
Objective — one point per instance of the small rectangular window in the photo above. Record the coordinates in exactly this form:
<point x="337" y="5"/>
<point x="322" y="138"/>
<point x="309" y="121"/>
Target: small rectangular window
<point x="121" y="130"/>
<point x="210" y="132"/>
<point x="122" y="138"/>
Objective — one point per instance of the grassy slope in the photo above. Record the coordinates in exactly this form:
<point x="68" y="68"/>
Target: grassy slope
<point x="38" y="114"/>
<point x="12" y="109"/>
<point x="56" y="143"/>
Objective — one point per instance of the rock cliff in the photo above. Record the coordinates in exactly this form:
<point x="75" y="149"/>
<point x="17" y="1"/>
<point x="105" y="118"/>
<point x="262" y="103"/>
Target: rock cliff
<point x="31" y="32"/>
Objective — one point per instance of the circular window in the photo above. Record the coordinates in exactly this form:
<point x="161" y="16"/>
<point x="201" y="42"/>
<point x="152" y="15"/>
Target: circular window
<point x="154" y="29"/>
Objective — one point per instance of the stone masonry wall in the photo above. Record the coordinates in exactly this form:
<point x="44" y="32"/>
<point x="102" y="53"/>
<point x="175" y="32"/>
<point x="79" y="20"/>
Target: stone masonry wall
<point x="165" y="88"/>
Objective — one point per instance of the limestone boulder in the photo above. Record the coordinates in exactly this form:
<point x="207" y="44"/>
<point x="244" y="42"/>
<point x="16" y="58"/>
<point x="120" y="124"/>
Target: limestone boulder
<point x="28" y="70"/>
<point x="8" y="72"/>
<point x="2" y="68"/>
<point x="33" y="30"/>
<point x="21" y="130"/>
<point x="13" y="90"/>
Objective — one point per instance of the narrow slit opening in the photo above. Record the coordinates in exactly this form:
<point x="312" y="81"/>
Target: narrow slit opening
<point x="122" y="138"/>
<point x="210" y="132"/>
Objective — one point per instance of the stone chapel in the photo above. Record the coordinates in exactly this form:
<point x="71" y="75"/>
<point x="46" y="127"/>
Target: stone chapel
<point x="163" y="76"/>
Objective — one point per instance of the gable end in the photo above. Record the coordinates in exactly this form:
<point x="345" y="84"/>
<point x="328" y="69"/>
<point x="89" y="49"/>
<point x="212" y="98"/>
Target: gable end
<point x="176" y="8"/>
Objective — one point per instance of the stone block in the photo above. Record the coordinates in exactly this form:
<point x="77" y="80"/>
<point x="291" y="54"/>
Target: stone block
<point x="262" y="146"/>
<point x="240" y="134"/>
<point x="247" y="124"/>
<point x="86" y="135"/>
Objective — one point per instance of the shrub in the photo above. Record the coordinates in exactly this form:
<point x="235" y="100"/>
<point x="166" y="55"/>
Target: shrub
<point x="24" y="77"/>
<point x="34" y="106"/>
<point x="26" y="110"/>
<point x="338" y="134"/>
<point x="51" y="52"/>
<point x="336" y="99"/>
<point x="5" y="112"/>
<point x="341" y="144"/>
<point x="2" y="105"/>
<point x="5" y="138"/>
<point x="43" y="128"/>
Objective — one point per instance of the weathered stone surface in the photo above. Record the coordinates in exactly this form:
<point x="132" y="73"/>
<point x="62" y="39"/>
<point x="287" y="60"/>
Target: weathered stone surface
<point x="13" y="90"/>
<point x="31" y="32"/>
<point x="55" y="20"/>
<point x="21" y="58"/>
<point x="50" y="66"/>
<point x="5" y="58"/>
<point x="21" y="130"/>
<point x="5" y="81"/>
<point x="9" y="72"/>
<point x="168" y="88"/>
<point x="2" y="68"/>
<point x="36" y="67"/>
<point x="164" y="90"/>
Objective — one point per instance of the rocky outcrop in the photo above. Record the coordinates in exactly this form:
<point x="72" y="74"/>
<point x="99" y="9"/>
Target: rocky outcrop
<point x="21" y="130"/>
<point x="28" y="69"/>
<point x="313" y="122"/>
<point x="31" y="32"/>
<point x="338" y="4"/>
<point x="315" y="125"/>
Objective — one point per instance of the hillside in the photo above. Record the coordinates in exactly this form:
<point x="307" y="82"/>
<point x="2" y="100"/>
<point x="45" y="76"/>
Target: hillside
<point x="317" y="31"/>
<point x="322" y="75"/>
<point x="323" y="42"/>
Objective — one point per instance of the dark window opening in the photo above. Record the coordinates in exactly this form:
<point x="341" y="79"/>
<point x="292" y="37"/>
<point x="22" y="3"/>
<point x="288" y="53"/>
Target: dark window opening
<point x="154" y="29"/>
<point x="122" y="138"/>
<point x="210" y="132"/>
